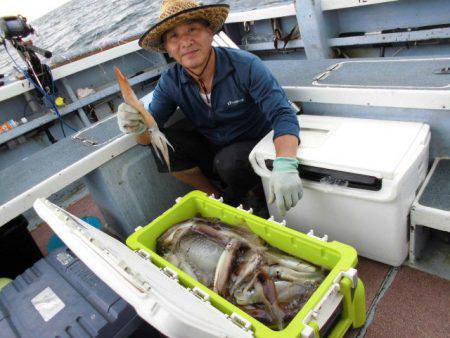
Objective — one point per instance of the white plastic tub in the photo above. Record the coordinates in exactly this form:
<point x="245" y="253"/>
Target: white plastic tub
<point x="360" y="178"/>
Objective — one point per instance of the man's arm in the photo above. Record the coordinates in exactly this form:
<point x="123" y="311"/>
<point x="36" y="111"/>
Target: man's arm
<point x="273" y="102"/>
<point x="286" y="146"/>
<point x="285" y="186"/>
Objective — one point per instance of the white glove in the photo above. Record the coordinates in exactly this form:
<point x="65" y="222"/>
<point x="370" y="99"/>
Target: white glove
<point x="130" y="120"/>
<point x="285" y="185"/>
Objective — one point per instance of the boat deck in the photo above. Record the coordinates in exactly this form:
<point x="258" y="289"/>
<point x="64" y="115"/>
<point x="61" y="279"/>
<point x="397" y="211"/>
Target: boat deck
<point x="324" y="87"/>
<point x="426" y="73"/>
<point x="400" y="302"/>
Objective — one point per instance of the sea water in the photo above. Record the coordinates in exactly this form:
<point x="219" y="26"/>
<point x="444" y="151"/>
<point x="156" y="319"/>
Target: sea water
<point x="80" y="26"/>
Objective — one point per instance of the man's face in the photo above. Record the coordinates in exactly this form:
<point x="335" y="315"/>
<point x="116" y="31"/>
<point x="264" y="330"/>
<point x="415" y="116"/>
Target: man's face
<point x="189" y="43"/>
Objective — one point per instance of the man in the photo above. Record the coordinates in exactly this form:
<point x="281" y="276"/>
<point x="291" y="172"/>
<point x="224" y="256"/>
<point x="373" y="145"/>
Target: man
<point x="231" y="99"/>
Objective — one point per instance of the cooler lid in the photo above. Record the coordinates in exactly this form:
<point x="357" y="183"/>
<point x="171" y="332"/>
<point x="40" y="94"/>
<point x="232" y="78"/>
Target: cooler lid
<point x="155" y="293"/>
<point x="369" y="147"/>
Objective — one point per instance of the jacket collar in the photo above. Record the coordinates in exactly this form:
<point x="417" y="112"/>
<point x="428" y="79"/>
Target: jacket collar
<point x="223" y="67"/>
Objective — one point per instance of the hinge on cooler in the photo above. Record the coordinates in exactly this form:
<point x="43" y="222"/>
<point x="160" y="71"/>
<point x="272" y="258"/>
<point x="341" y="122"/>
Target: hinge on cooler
<point x="199" y="293"/>
<point x="144" y="254"/>
<point x="170" y="273"/>
<point x="240" y="321"/>
<point x="132" y="276"/>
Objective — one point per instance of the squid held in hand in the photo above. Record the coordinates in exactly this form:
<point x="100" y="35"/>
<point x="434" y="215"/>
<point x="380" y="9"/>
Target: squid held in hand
<point x="158" y="139"/>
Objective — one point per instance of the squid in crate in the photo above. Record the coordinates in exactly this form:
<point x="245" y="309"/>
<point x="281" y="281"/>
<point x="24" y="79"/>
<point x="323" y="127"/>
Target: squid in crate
<point x="234" y="262"/>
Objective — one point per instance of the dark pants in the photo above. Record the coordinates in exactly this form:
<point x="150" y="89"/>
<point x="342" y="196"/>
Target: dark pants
<point x="228" y="166"/>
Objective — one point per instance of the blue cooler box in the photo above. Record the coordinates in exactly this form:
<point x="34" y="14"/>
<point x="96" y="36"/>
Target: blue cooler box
<point x="60" y="297"/>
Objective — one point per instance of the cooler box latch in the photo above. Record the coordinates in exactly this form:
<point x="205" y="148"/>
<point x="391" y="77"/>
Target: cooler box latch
<point x="327" y="307"/>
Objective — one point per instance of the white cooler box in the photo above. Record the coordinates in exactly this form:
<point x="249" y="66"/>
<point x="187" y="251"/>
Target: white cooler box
<point x="360" y="178"/>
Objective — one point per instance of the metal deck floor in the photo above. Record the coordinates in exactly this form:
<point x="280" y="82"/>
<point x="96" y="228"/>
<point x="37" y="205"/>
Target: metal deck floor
<point x="40" y="166"/>
<point x="415" y="73"/>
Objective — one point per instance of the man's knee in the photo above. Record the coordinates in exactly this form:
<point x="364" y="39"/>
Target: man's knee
<point x="227" y="162"/>
<point x="233" y="167"/>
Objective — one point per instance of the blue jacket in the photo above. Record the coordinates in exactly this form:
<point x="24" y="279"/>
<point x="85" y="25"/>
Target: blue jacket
<point x="247" y="101"/>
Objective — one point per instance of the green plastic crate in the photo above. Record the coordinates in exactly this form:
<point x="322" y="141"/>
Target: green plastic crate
<point x="334" y="256"/>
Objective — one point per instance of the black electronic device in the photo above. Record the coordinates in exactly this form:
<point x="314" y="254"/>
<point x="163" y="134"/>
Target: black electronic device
<point x="15" y="29"/>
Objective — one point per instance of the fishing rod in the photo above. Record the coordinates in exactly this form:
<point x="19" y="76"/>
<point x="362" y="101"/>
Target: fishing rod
<point x="14" y="30"/>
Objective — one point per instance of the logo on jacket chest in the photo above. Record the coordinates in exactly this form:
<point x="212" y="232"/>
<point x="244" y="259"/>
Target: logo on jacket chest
<point x="235" y="102"/>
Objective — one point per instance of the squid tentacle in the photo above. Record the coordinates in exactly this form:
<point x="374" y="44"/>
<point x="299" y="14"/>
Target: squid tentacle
<point x="266" y="287"/>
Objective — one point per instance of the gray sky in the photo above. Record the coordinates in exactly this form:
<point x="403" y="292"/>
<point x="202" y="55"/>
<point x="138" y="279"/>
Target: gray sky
<point x="31" y="9"/>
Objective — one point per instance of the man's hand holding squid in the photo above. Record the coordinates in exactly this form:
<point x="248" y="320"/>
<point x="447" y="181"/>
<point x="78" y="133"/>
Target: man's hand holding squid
<point x="132" y="117"/>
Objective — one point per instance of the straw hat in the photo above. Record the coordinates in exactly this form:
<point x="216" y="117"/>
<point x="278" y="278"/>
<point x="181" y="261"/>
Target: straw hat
<point x="174" y="12"/>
